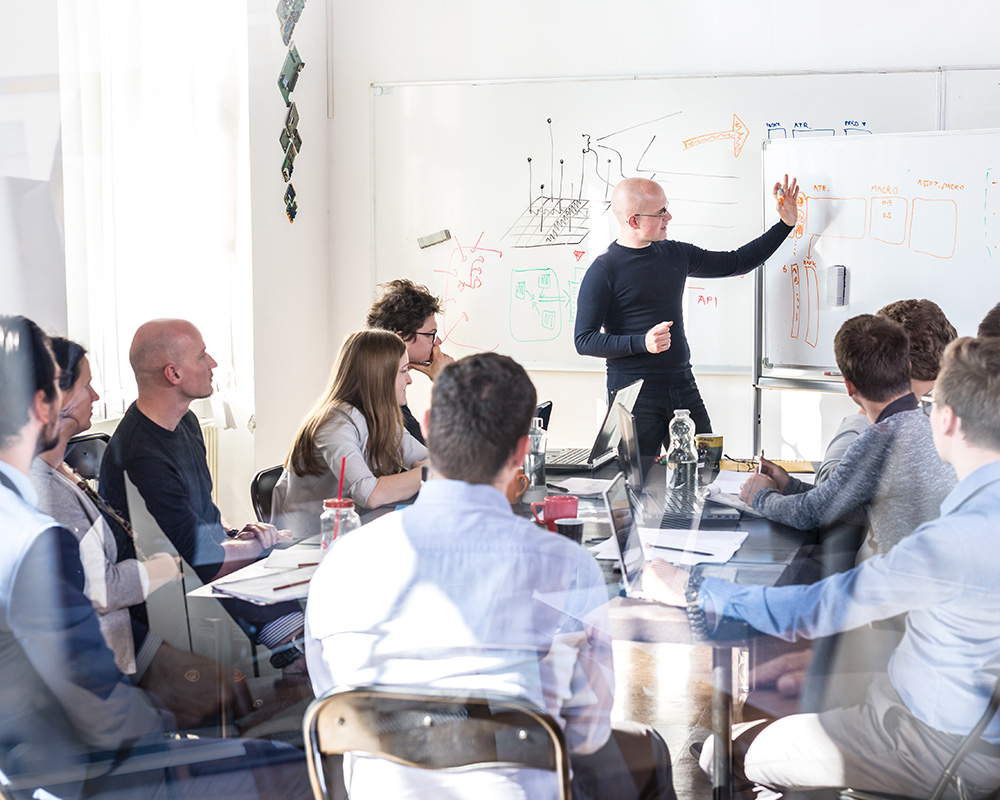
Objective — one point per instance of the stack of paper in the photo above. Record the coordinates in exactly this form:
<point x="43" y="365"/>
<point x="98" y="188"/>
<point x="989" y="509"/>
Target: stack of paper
<point x="690" y="547"/>
<point x="272" y="586"/>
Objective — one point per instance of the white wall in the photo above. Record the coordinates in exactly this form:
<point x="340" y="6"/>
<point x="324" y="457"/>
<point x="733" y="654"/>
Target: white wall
<point x="447" y="40"/>
<point x="292" y="276"/>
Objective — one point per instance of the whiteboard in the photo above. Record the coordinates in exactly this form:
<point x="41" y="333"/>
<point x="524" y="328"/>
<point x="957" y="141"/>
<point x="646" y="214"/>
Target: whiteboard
<point x="521" y="174"/>
<point x="909" y="215"/>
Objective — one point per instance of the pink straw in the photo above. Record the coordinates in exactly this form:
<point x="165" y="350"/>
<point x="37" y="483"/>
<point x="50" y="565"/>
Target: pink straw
<point x="340" y="494"/>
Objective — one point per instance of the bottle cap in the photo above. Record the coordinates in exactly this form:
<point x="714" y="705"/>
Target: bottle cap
<point x="338" y="502"/>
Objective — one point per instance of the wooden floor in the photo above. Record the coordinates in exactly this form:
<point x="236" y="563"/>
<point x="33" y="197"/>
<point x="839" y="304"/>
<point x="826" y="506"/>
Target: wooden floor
<point x="668" y="686"/>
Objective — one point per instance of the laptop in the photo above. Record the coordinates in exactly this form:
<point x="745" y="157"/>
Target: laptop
<point x="605" y="446"/>
<point x="621" y="511"/>
<point x="674" y="513"/>
<point x="631" y="459"/>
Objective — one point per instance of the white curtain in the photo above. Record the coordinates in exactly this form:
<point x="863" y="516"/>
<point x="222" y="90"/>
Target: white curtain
<point x="156" y="153"/>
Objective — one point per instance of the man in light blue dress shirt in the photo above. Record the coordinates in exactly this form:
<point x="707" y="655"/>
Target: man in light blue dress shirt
<point x="457" y="592"/>
<point x="944" y="576"/>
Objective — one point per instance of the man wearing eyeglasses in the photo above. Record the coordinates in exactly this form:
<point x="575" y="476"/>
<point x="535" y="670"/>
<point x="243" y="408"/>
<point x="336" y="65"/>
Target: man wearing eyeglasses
<point x="629" y="309"/>
<point x="410" y="310"/>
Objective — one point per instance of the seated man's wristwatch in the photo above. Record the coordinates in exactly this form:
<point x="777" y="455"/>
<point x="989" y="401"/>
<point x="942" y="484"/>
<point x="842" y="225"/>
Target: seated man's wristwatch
<point x="695" y="613"/>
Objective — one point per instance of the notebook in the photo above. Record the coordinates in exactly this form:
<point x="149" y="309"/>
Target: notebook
<point x="605" y="445"/>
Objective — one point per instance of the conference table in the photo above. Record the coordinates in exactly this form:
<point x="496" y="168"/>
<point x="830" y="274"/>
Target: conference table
<point x="767" y="556"/>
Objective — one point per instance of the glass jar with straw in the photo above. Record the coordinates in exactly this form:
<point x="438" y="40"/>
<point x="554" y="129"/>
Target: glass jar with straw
<point x="338" y="517"/>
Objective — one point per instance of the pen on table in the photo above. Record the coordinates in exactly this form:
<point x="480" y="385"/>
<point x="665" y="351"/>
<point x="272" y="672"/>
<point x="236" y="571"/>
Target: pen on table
<point x="682" y="550"/>
<point x="290" y="585"/>
<point x="832" y="373"/>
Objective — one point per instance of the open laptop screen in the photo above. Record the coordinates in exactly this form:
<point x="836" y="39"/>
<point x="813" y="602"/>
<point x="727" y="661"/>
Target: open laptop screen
<point x="609" y="435"/>
<point x="630" y="451"/>
<point x="623" y="523"/>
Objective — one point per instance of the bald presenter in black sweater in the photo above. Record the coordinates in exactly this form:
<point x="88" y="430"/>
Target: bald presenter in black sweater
<point x="629" y="309"/>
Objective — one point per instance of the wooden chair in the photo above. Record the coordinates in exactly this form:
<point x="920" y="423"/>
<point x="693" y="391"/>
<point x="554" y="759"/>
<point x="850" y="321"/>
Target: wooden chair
<point x="432" y="729"/>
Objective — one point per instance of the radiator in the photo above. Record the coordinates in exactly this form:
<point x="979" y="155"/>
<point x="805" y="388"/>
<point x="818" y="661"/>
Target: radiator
<point x="210" y="433"/>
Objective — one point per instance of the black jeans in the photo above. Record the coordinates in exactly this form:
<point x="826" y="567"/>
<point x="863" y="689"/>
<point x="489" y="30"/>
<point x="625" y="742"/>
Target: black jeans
<point x="654" y="408"/>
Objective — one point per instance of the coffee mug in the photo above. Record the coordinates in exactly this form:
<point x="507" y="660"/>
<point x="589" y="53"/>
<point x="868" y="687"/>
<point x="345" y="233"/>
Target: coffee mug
<point x="517" y="486"/>
<point x="571" y="528"/>
<point x="555" y="506"/>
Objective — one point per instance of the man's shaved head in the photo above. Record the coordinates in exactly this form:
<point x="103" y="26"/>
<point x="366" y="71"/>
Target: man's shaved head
<point x="157" y="343"/>
<point x="631" y="195"/>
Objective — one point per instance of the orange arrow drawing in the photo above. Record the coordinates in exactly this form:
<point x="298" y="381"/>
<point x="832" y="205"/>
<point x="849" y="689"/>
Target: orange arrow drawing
<point x="738" y="134"/>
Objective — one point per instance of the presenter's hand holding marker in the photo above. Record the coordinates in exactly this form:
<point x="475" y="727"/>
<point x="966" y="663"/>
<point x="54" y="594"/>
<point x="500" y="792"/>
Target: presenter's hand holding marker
<point x="658" y="337"/>
<point x="787" y="195"/>
<point x="664" y="582"/>
<point x="433" y="367"/>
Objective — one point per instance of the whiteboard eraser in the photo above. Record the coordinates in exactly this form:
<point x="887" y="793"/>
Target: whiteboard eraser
<point x="434" y="238"/>
<point x="836" y="285"/>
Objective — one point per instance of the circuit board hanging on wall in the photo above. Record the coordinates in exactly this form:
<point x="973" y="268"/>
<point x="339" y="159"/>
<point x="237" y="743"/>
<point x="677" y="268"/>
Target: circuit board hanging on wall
<point x="288" y="13"/>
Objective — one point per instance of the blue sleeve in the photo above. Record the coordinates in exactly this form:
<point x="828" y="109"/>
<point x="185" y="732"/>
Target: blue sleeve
<point x="915" y="574"/>
<point x="57" y="627"/>
<point x="592" y="303"/>
<point x="715" y="264"/>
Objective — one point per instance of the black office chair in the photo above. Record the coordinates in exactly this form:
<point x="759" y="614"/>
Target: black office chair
<point x="261" y="490"/>
<point x="544" y="412"/>
<point x="949" y="775"/>
<point x="84" y="453"/>
<point x="431" y="729"/>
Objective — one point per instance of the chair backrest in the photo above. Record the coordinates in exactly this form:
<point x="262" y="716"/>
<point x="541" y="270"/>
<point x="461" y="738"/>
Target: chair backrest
<point x="433" y="729"/>
<point x="85" y="452"/>
<point x="261" y="489"/>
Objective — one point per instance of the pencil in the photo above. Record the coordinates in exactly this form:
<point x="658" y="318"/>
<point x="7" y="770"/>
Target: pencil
<point x="290" y="585"/>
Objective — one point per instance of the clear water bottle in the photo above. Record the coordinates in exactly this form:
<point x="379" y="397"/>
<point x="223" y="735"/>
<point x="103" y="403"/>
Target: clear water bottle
<point x="338" y="519"/>
<point x="682" y="457"/>
<point x="534" y="462"/>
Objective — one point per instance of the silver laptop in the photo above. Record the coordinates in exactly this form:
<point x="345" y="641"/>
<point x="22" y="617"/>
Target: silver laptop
<point x="632" y="559"/>
<point x="605" y="445"/>
<point x="621" y="510"/>
<point x="632" y="460"/>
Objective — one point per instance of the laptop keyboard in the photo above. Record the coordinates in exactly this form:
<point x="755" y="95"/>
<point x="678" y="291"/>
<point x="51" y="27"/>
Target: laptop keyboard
<point x="678" y="511"/>
<point x="574" y="455"/>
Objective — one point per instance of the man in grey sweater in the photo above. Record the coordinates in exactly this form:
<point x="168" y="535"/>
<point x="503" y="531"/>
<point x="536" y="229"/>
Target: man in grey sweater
<point x="930" y="332"/>
<point x="891" y="478"/>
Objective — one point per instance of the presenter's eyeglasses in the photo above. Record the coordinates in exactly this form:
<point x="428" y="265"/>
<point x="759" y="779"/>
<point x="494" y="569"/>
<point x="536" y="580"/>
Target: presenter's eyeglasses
<point x="432" y="335"/>
<point x="662" y="215"/>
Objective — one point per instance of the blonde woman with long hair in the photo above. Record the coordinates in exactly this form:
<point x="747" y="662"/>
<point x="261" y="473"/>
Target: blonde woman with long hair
<point x="358" y="418"/>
